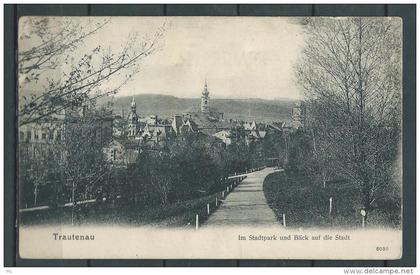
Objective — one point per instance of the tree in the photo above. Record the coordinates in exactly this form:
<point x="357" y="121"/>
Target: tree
<point x="39" y="176"/>
<point x="350" y="73"/>
<point x="84" y="170"/>
<point x="56" y="72"/>
<point x="196" y="163"/>
<point x="299" y="160"/>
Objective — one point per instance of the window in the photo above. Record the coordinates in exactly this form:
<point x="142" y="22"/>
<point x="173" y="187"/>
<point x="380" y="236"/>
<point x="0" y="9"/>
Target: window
<point x="44" y="136"/>
<point x="22" y="136"/>
<point x="36" y="136"/>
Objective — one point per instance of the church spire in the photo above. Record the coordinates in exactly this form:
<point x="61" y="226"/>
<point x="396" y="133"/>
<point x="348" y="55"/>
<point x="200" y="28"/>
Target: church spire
<point x="205" y="90"/>
<point x="133" y="104"/>
<point x="205" y="109"/>
<point x="133" y="119"/>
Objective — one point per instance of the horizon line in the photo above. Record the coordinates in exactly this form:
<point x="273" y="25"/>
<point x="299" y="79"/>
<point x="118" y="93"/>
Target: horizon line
<point x="161" y="94"/>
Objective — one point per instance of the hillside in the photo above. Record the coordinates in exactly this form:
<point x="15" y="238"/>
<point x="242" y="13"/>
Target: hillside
<point x="245" y="109"/>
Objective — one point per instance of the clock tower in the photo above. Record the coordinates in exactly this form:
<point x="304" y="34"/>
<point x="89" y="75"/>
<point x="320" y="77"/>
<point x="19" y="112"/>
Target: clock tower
<point x="205" y="109"/>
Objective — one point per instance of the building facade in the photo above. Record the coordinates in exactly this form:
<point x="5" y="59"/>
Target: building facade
<point x="299" y="115"/>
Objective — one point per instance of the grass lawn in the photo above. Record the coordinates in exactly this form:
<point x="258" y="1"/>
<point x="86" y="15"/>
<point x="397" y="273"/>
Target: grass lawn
<point x="306" y="203"/>
<point x="180" y="214"/>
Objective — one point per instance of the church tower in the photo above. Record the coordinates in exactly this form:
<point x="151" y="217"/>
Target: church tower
<point x="205" y="109"/>
<point x="133" y="120"/>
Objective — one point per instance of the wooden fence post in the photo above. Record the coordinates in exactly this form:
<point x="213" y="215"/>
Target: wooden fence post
<point x="216" y="201"/>
<point x="196" y="222"/>
<point x="330" y="210"/>
<point x="284" y="220"/>
<point x="208" y="209"/>
<point x="363" y="213"/>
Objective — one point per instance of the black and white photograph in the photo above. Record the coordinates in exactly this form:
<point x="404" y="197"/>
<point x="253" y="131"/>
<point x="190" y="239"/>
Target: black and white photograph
<point x="209" y="137"/>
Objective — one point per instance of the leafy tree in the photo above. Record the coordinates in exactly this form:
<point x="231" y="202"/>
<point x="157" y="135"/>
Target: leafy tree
<point x="300" y="151"/>
<point x="39" y="175"/>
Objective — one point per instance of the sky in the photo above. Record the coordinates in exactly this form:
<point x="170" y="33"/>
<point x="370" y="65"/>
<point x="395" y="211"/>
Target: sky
<point x="241" y="57"/>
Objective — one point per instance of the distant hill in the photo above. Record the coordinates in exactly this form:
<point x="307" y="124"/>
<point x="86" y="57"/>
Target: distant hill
<point x="245" y="109"/>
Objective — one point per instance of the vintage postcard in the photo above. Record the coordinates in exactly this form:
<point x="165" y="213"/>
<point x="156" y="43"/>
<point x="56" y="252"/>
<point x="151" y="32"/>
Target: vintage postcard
<point x="210" y="137"/>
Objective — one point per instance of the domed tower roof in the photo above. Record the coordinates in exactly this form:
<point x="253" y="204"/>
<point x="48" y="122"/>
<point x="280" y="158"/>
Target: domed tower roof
<point x="133" y="115"/>
<point x="205" y="90"/>
<point x="133" y="103"/>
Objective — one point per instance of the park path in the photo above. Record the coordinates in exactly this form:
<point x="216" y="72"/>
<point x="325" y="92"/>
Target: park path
<point x="246" y="204"/>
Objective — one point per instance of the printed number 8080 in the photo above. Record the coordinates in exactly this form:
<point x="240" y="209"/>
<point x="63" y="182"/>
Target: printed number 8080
<point x="382" y="248"/>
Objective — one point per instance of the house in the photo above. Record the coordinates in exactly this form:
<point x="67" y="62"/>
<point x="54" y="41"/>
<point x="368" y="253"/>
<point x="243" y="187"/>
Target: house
<point x="225" y="136"/>
<point x="182" y="125"/>
<point x="280" y="127"/>
<point x="157" y="133"/>
<point x="299" y="115"/>
<point x="177" y="123"/>
<point x="121" y="152"/>
<point x="189" y="126"/>
<point x="252" y="136"/>
<point x="250" y="126"/>
<point x="150" y="119"/>
<point x="46" y="137"/>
